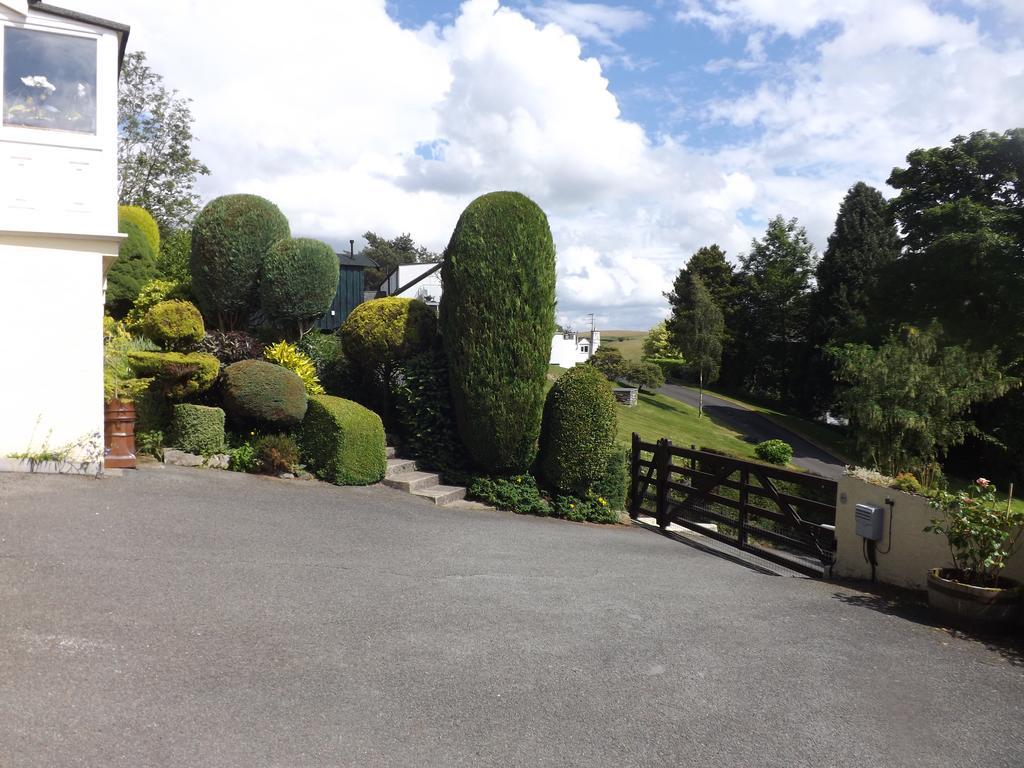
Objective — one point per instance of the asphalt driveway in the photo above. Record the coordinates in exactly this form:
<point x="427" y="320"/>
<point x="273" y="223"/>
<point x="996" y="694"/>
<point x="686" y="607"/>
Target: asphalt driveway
<point x="755" y="428"/>
<point x="180" y="617"/>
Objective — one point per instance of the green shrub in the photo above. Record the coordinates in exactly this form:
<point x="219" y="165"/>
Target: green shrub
<point x="423" y="402"/>
<point x="259" y="392"/>
<point x="172" y="262"/>
<point x="174" y="325"/>
<point x="151" y="294"/>
<point x="906" y="481"/>
<point x="518" y="494"/>
<point x="774" y="452"/>
<point x="177" y="375"/>
<point x="150" y="443"/>
<point x="230" y="238"/>
<point x="497" y="320"/>
<point x="578" y="431"/>
<point x="232" y="346"/>
<point x="645" y="375"/>
<point x="671" y="367"/>
<point x="343" y="442"/>
<point x="275" y="454"/>
<point x="197" y="429"/>
<point x="298" y="282"/>
<point x="610" y="362"/>
<point x="142" y="219"/>
<point x="332" y="368"/>
<point x="152" y="411"/>
<point x="135" y="266"/>
<point x="242" y="458"/>
<point x="613" y="485"/>
<point x="288" y="356"/>
<point x="381" y="332"/>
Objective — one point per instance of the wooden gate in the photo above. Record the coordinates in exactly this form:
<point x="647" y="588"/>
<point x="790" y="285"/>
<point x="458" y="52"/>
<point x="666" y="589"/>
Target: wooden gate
<point x="782" y="516"/>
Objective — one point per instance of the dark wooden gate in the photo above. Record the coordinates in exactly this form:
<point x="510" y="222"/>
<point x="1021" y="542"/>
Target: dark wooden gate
<point x="782" y="516"/>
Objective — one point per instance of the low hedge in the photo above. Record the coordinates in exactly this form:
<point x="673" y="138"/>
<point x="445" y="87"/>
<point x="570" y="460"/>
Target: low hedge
<point x="178" y="375"/>
<point x="264" y="393"/>
<point x="671" y="367"/>
<point x="197" y="429"/>
<point x="342" y="442"/>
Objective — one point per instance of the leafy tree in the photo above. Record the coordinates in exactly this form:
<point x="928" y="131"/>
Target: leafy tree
<point x="609" y="361"/>
<point x="908" y="400"/>
<point x="845" y="307"/>
<point x="658" y="343"/>
<point x="497" y="318"/>
<point x="961" y="210"/>
<point x="391" y="253"/>
<point x="698" y="331"/>
<point x="298" y="280"/>
<point x="172" y="263"/>
<point x="156" y="169"/>
<point x="645" y="375"/>
<point x="772" y="310"/>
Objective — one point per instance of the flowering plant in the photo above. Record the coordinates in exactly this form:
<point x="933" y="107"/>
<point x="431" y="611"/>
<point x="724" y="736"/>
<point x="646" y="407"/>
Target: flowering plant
<point x="982" y="531"/>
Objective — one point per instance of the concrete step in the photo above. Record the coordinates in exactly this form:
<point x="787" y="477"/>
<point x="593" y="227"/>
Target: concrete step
<point x="411" y="482"/>
<point x="391" y="453"/>
<point x="441" y="494"/>
<point x="399" y="466"/>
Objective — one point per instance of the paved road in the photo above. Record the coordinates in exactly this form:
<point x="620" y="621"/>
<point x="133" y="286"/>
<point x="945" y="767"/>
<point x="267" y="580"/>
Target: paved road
<point x="181" y="617"/>
<point x="756" y="428"/>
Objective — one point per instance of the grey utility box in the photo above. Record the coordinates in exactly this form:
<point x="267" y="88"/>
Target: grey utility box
<point x="869" y="522"/>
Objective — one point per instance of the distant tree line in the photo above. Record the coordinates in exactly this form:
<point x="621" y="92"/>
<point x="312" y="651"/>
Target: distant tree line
<point x="907" y="324"/>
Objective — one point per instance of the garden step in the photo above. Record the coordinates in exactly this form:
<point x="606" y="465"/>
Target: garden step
<point x="442" y="494"/>
<point x="399" y="466"/>
<point x="391" y="453"/>
<point x="412" y="481"/>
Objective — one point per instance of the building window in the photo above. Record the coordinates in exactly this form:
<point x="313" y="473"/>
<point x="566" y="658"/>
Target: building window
<point x="49" y="81"/>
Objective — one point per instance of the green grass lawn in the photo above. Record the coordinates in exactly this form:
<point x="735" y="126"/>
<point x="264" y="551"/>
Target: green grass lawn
<point x="629" y="343"/>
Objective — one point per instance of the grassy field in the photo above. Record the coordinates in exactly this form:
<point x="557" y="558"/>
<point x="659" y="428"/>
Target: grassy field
<point x="629" y="343"/>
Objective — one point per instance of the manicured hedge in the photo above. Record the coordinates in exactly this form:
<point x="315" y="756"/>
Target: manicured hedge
<point x="256" y="391"/>
<point x="177" y="375"/>
<point x="343" y="442"/>
<point x="578" y="434"/>
<point x="135" y="266"/>
<point x="298" y="282"/>
<point x="230" y="239"/>
<point x="141" y="218"/>
<point x="197" y="429"/>
<point x="497" y="317"/>
<point x="384" y="331"/>
<point x="174" y="325"/>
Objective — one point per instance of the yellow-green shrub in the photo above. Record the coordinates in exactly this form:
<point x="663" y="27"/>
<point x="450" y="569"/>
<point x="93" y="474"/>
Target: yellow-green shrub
<point x="178" y="375"/>
<point x="141" y="218"/>
<point x="288" y="356"/>
<point x="175" y="325"/>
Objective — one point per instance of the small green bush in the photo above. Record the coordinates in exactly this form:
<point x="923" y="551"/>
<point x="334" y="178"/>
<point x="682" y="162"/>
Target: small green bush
<point x="610" y="362"/>
<point x="242" y="458"/>
<point x="150" y="443"/>
<point x="135" y="266"/>
<point x="645" y="375"/>
<point x="197" y="429"/>
<point x="289" y="356"/>
<point x="151" y="294"/>
<point x="178" y="375"/>
<point x="613" y="485"/>
<point x="774" y="452"/>
<point x="297" y="283"/>
<point x="383" y="331"/>
<point x="259" y="392"/>
<point x="343" y="442"/>
<point x="174" y="325"/>
<point x="520" y="494"/>
<point x="906" y="481"/>
<point x="332" y="368"/>
<point x="578" y="431"/>
<point x="275" y="454"/>
<point x="142" y="219"/>
<point x="230" y="239"/>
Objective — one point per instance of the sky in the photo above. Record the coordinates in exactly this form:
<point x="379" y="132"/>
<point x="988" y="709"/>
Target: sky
<point x="645" y="130"/>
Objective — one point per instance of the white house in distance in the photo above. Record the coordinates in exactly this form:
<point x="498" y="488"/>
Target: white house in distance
<point x="423" y="281"/>
<point x="58" y="222"/>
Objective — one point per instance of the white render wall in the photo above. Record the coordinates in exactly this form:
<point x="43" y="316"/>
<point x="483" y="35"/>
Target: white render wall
<point x="568" y="350"/>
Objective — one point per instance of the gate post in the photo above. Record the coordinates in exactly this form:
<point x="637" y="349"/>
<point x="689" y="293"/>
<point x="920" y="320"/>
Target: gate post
<point x="634" y="478"/>
<point x="663" y="461"/>
<point x="741" y="531"/>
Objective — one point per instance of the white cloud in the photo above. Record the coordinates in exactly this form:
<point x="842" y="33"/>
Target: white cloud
<point x="352" y="123"/>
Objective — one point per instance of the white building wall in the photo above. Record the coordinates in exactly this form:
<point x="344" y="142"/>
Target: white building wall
<point x="568" y="350"/>
<point x="406" y="273"/>
<point x="58" y="235"/>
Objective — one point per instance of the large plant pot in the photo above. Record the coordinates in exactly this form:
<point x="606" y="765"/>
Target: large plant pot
<point x="119" y="435"/>
<point x="970" y="606"/>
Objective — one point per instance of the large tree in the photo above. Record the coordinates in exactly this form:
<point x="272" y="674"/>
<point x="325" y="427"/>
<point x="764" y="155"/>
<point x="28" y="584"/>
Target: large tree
<point x="770" y="331"/>
<point x="698" y="331"/>
<point x="391" y="253"/>
<point x="156" y="168"/>
<point x="848" y="304"/>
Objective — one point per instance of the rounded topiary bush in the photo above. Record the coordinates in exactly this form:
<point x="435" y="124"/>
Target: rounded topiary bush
<point x="255" y="391"/>
<point x="342" y="442"/>
<point x="497" y="320"/>
<point x="578" y="433"/>
<point x="176" y="375"/>
<point x="135" y="266"/>
<point x="141" y="218"/>
<point x="230" y="238"/>
<point x="175" y="325"/>
<point x="383" y="331"/>
<point x="774" y="452"/>
<point x="197" y="429"/>
<point x="298" y="282"/>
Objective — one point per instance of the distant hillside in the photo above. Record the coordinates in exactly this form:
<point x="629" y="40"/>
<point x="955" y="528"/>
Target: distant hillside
<point x="629" y="343"/>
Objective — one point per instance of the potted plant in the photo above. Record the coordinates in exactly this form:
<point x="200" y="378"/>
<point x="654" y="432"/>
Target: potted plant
<point x="983" y="533"/>
<point x="120" y="388"/>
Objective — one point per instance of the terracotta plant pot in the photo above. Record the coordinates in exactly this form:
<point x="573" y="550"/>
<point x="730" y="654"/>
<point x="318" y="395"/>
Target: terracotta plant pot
<point x="119" y="435"/>
<point x="970" y="606"/>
